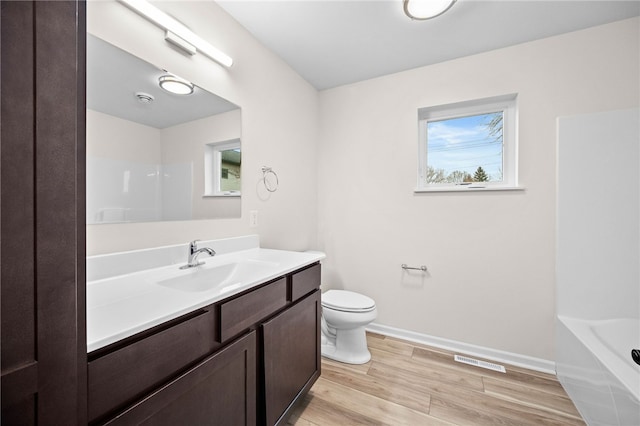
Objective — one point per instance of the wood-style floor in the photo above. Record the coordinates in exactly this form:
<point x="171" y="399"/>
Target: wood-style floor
<point x="411" y="384"/>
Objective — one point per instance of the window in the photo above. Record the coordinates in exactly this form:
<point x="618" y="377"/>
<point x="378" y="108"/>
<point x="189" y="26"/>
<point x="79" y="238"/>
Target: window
<point x="222" y="168"/>
<point x="468" y="145"/>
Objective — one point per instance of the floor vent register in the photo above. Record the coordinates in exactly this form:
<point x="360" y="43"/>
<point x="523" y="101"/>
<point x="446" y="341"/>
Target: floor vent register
<point x="478" y="363"/>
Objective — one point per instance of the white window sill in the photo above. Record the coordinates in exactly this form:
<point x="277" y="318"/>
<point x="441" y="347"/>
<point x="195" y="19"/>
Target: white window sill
<point x="230" y="194"/>
<point x="468" y="188"/>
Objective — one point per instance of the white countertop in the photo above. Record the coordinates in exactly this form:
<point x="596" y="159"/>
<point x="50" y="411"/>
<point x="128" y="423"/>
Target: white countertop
<point x="121" y="306"/>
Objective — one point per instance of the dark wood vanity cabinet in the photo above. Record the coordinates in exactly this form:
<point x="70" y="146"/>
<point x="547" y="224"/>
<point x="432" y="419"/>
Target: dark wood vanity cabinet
<point x="221" y="390"/>
<point x="244" y="360"/>
<point x="291" y="356"/>
<point x="124" y="374"/>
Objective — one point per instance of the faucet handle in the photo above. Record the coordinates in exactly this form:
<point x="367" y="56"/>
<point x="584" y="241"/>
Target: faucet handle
<point x="193" y="245"/>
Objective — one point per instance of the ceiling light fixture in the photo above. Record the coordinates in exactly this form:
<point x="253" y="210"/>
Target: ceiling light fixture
<point x="426" y="9"/>
<point x="169" y="24"/>
<point x="174" y="84"/>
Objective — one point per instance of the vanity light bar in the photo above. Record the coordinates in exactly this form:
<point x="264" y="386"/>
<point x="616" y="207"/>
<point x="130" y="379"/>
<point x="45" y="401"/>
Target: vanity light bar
<point x="177" y="41"/>
<point x="169" y="24"/>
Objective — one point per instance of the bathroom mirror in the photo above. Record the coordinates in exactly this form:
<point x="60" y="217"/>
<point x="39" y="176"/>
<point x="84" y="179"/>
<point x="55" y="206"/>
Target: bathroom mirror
<point x="151" y="154"/>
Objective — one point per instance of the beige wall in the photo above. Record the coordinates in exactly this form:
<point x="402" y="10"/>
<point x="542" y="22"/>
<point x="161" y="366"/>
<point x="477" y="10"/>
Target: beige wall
<point x="490" y="255"/>
<point x="279" y="123"/>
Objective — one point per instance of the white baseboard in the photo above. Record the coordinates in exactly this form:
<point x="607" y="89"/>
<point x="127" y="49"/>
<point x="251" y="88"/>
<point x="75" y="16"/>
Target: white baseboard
<point x="518" y="360"/>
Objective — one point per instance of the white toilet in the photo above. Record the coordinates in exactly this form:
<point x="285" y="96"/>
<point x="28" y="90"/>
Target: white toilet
<point x="344" y="316"/>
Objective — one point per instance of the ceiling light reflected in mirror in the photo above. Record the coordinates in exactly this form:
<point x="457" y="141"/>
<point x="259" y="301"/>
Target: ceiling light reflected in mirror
<point x="175" y="84"/>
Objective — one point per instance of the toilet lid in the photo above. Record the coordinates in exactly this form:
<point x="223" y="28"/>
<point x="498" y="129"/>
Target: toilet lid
<point x="343" y="300"/>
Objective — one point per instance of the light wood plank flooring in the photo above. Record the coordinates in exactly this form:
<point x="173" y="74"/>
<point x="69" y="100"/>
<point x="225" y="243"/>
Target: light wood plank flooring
<point x="411" y="384"/>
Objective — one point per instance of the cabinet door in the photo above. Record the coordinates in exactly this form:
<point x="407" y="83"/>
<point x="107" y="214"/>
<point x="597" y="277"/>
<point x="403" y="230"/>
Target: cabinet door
<point x="42" y="194"/>
<point x="291" y="356"/>
<point x="221" y="390"/>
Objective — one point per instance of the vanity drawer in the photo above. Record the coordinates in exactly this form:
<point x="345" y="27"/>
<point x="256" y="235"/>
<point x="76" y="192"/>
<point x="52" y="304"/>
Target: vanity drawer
<point x="305" y="281"/>
<point x="240" y="313"/>
<point x="220" y="390"/>
<point x="125" y="374"/>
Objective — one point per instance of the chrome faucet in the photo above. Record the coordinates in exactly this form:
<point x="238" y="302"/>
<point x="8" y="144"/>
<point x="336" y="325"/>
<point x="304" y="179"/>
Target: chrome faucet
<point x="194" y="252"/>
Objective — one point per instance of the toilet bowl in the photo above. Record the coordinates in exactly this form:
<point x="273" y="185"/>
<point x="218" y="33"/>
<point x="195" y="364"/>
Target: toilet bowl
<point x="344" y="316"/>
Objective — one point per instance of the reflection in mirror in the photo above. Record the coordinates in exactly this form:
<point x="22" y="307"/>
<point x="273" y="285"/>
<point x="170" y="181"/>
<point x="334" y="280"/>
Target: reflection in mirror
<point x="230" y="170"/>
<point x="153" y="155"/>
<point x="222" y="168"/>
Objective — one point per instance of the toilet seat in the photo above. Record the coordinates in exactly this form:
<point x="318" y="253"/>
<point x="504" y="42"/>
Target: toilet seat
<point x="347" y="301"/>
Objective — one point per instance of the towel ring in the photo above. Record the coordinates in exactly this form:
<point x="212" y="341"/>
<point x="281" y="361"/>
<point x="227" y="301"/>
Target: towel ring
<point x="268" y="182"/>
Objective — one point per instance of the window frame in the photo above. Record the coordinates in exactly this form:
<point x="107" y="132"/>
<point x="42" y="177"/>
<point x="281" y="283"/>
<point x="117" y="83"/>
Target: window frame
<point x="505" y="103"/>
<point x="213" y="168"/>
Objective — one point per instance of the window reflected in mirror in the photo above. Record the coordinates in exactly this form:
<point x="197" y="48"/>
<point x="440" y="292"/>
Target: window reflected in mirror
<point x="222" y="168"/>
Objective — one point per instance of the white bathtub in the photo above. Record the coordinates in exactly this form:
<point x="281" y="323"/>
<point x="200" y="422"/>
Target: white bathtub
<point x="595" y="367"/>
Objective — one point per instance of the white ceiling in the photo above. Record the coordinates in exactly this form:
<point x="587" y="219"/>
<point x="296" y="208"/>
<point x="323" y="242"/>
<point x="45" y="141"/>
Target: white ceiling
<point x="335" y="42"/>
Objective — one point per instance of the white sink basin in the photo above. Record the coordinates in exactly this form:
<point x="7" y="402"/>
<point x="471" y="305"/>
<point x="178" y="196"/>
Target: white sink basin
<point x="224" y="277"/>
<point x="130" y="292"/>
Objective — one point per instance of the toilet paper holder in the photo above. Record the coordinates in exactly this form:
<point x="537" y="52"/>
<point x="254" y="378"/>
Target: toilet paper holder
<point x="421" y="268"/>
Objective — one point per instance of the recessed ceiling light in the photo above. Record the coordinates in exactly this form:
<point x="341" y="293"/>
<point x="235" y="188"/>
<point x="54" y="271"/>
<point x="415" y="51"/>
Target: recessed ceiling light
<point x="174" y="84"/>
<point x="426" y="9"/>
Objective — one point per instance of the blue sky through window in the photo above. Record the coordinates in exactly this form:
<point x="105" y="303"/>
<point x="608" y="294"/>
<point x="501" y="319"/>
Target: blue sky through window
<point x="464" y="144"/>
